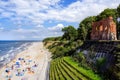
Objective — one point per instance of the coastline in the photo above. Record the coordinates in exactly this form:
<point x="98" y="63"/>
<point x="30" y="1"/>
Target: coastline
<point x="12" y="52"/>
<point x="22" y="48"/>
<point x="35" y="52"/>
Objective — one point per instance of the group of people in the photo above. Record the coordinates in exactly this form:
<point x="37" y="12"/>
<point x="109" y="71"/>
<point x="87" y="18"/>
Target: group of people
<point x="20" y="67"/>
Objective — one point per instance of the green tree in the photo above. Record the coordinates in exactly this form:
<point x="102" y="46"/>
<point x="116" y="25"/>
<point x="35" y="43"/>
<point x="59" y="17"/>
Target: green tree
<point x="106" y="13"/>
<point x="60" y="51"/>
<point x="100" y="62"/>
<point x="118" y="11"/>
<point x="84" y="32"/>
<point x="70" y="33"/>
<point x="118" y="23"/>
<point x="85" y="28"/>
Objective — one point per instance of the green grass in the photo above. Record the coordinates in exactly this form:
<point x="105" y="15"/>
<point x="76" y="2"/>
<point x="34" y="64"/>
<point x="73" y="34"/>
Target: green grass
<point x="80" y="76"/>
<point x="61" y="77"/>
<point x="66" y="69"/>
<point x="74" y="77"/>
<point x="56" y="73"/>
<point x="52" y="77"/>
<point x="67" y="77"/>
<point x="88" y="73"/>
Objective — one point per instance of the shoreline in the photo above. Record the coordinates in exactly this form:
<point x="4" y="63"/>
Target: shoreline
<point x="16" y="53"/>
<point x="12" y="53"/>
<point x="37" y="54"/>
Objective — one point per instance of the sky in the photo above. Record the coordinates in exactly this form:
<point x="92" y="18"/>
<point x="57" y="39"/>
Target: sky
<point x="38" y="19"/>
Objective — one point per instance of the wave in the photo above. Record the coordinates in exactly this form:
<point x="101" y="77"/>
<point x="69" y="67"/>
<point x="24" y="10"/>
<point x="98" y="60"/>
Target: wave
<point x="10" y="55"/>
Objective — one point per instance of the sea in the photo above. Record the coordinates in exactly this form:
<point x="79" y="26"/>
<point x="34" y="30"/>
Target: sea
<point x="9" y="49"/>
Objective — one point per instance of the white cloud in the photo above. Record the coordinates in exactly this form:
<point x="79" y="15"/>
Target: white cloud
<point x="42" y="10"/>
<point x="77" y="11"/>
<point x="39" y="26"/>
<point x="1" y="28"/>
<point x="32" y="9"/>
<point x="58" y="27"/>
<point x="20" y="30"/>
<point x="33" y="34"/>
<point x="37" y="12"/>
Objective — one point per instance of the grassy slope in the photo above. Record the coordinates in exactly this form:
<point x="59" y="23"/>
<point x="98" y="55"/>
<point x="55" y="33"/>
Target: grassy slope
<point x="65" y="68"/>
<point x="88" y="73"/>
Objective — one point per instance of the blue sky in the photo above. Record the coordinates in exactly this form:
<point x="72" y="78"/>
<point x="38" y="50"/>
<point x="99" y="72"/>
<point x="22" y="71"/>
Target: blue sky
<point x="38" y="19"/>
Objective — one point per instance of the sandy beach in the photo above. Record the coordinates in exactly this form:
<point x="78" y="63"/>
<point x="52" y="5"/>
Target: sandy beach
<point x="30" y="64"/>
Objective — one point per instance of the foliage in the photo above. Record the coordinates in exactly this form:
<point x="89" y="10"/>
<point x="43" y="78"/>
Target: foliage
<point x="100" y="62"/>
<point x="118" y="46"/>
<point x="63" y="48"/>
<point x="59" y="52"/>
<point x="106" y="13"/>
<point x="91" y="75"/>
<point x="115" y="13"/>
<point x="52" y="39"/>
<point x="72" y="38"/>
<point x="118" y="23"/>
<point x="70" y="33"/>
<point x="79" y="57"/>
<point x="63" y="69"/>
<point x="118" y="11"/>
<point x="85" y="27"/>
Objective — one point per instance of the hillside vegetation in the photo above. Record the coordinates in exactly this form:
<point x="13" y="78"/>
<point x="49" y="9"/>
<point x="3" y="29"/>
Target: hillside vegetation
<point x="66" y="69"/>
<point x="77" y="66"/>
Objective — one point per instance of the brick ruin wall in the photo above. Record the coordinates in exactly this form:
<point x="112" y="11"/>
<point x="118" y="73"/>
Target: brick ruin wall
<point x="104" y="30"/>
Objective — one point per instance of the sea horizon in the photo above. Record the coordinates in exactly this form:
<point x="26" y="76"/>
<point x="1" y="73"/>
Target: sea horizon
<point x="22" y="40"/>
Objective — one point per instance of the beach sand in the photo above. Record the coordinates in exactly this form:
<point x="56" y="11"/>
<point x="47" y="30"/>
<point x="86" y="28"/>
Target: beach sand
<point x="30" y="64"/>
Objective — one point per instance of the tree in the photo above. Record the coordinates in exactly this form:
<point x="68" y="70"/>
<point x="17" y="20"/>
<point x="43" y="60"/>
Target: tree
<point x="106" y="13"/>
<point x="84" y="32"/>
<point x="85" y="28"/>
<point x="118" y="11"/>
<point x="70" y="33"/>
<point x="100" y="63"/>
<point x="118" y="23"/>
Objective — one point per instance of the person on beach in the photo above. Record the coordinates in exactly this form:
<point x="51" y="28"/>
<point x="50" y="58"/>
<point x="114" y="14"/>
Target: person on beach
<point x="12" y="67"/>
<point x="7" y="71"/>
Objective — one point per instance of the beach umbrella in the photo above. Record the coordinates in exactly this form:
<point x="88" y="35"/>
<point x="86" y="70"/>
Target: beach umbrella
<point x="19" y="58"/>
<point x="19" y="70"/>
<point x="17" y="63"/>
